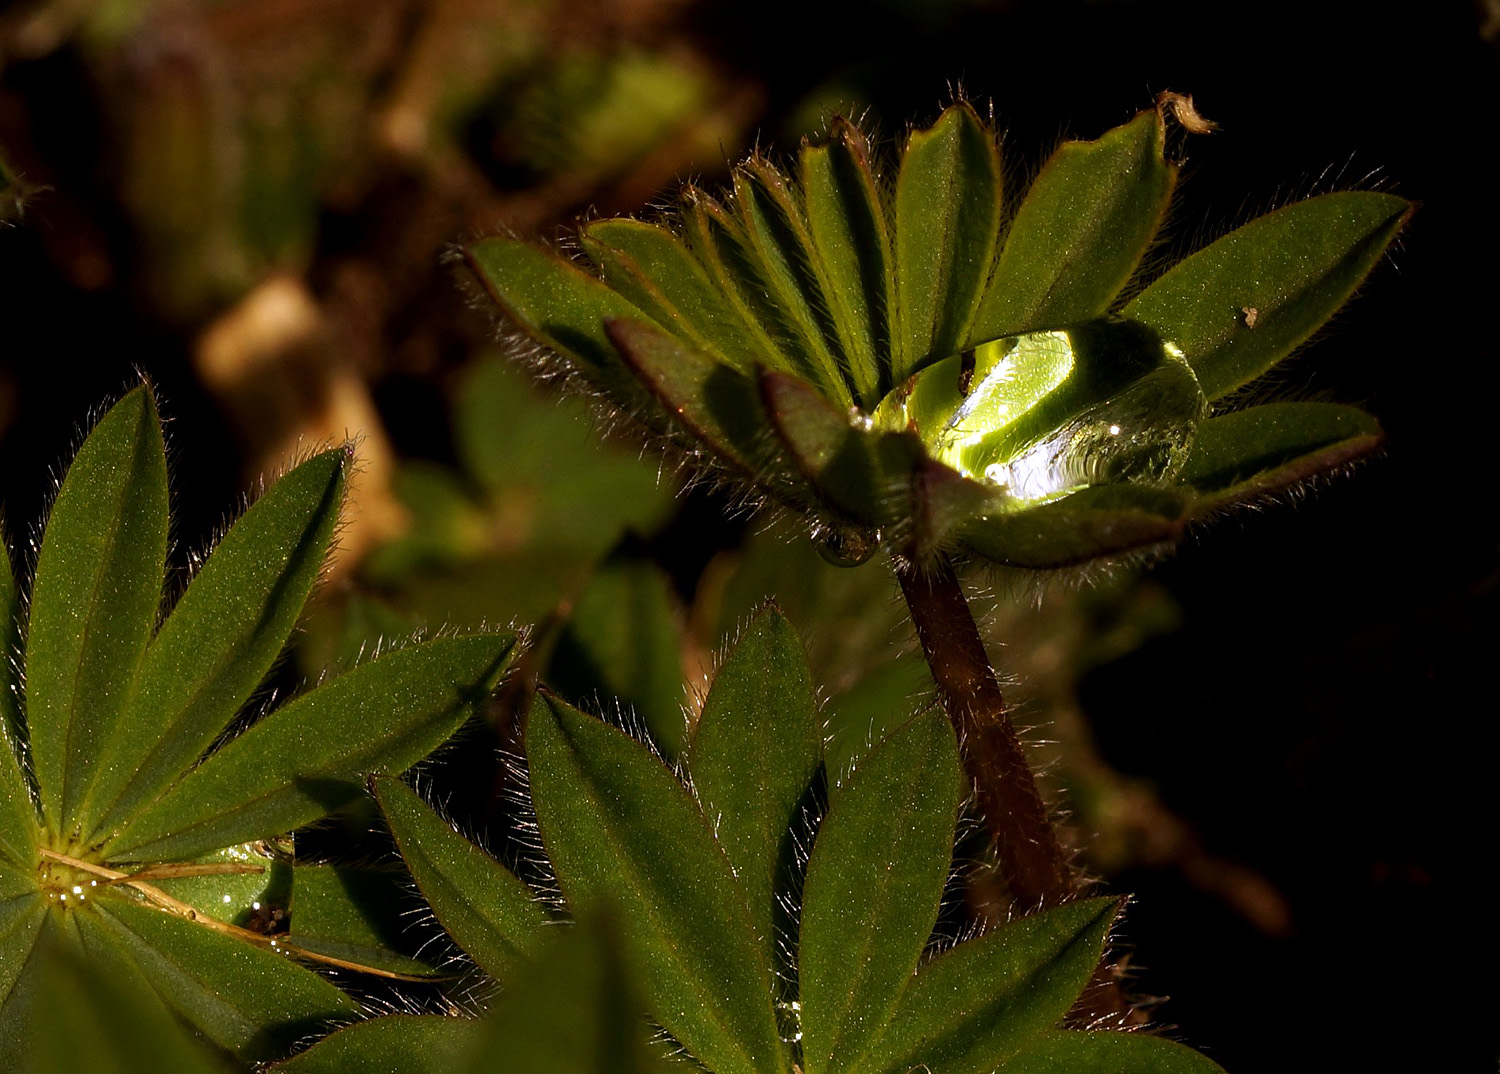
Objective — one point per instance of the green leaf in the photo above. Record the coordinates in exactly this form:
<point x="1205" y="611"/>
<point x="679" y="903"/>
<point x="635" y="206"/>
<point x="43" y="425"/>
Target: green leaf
<point x="395" y="1044"/>
<point x="222" y="637"/>
<point x="310" y="756"/>
<point x="943" y="501"/>
<point x="20" y="924"/>
<point x="107" y="1019"/>
<point x="838" y="459"/>
<point x="1080" y="232"/>
<point x="94" y="601"/>
<point x="756" y="752"/>
<point x="487" y="911"/>
<point x="1099" y="521"/>
<point x="572" y="1010"/>
<point x="853" y="248"/>
<point x="873" y="885"/>
<point x="356" y="915"/>
<point x="624" y="640"/>
<point x="1293" y="268"/>
<point x="720" y="244"/>
<point x="1107" y="1052"/>
<point x="28" y="943"/>
<point x="947" y="214"/>
<point x="1251" y="452"/>
<point x="247" y="999"/>
<point x="717" y="404"/>
<point x="879" y="701"/>
<point x="980" y="1003"/>
<point x="619" y="828"/>
<point x="556" y="303"/>
<point x="777" y="232"/>
<point x="18" y="821"/>
<point x="653" y="268"/>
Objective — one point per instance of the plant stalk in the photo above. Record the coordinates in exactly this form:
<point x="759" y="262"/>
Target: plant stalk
<point x="1031" y="858"/>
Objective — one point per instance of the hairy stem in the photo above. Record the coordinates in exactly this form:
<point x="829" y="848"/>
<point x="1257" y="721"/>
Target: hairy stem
<point x="1031" y="859"/>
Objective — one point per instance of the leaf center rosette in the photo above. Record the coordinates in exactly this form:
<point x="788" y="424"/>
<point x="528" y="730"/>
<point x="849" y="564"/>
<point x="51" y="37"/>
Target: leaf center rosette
<point x="908" y="357"/>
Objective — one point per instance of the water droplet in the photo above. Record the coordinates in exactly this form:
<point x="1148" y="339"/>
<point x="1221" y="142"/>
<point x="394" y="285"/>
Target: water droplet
<point x="789" y="1021"/>
<point x="1051" y="412"/>
<point x="846" y="548"/>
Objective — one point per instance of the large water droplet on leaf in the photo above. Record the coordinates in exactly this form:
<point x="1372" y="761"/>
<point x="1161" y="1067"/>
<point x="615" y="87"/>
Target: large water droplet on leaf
<point x="1046" y="413"/>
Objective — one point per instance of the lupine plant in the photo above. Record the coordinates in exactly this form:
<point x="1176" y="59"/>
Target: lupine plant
<point x="146" y="787"/>
<point x="769" y="934"/>
<point x="912" y="358"/>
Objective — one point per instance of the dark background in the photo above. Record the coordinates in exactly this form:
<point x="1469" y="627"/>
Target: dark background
<point x="1321" y="714"/>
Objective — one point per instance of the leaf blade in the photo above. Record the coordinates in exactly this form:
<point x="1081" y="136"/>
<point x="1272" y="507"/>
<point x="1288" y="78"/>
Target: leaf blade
<point x="1080" y="232"/>
<point x="313" y="754"/>
<point x="873" y="885"/>
<point x="94" y="602"/>
<point x="18" y="819"/>
<point x="980" y="1003"/>
<point x="249" y="1000"/>
<point x="853" y="246"/>
<point x="682" y="909"/>
<point x="757" y="749"/>
<point x="1105" y="1052"/>
<point x="947" y="215"/>
<point x="1248" y="453"/>
<point x="1294" y="268"/>
<point x="223" y="636"/>
<point x="482" y="905"/>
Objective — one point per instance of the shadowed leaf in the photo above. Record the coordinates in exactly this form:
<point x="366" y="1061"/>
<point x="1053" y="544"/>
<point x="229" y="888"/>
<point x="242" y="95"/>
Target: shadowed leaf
<point x="487" y="911"/>
<point x="757" y="749"/>
<point x="980" y="1003"/>
<point x="873" y="883"/>
<point x="620" y="829"/>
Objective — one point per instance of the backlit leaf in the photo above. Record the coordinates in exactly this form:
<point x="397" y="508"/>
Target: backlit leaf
<point x="1242" y="304"/>
<point x="1080" y="232"/>
<point x="947" y="213"/>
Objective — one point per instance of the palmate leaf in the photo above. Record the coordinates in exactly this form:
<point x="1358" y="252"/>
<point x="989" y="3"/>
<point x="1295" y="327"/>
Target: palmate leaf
<point x="141" y="858"/>
<point x="694" y="886"/>
<point x="862" y="291"/>
<point x="222" y="637"/>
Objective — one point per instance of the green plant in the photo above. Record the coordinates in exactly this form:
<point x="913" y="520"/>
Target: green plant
<point x="764" y="936"/>
<point x="141" y="812"/>
<point x="905" y="362"/>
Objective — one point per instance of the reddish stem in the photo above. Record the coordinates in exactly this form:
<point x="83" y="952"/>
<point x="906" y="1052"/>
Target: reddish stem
<point x="1031" y="859"/>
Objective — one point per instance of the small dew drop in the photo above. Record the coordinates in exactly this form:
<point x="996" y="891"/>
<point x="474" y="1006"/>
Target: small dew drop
<point x="255" y="906"/>
<point x="1114" y="430"/>
<point x="997" y="474"/>
<point x="226" y="900"/>
<point x="77" y="889"/>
